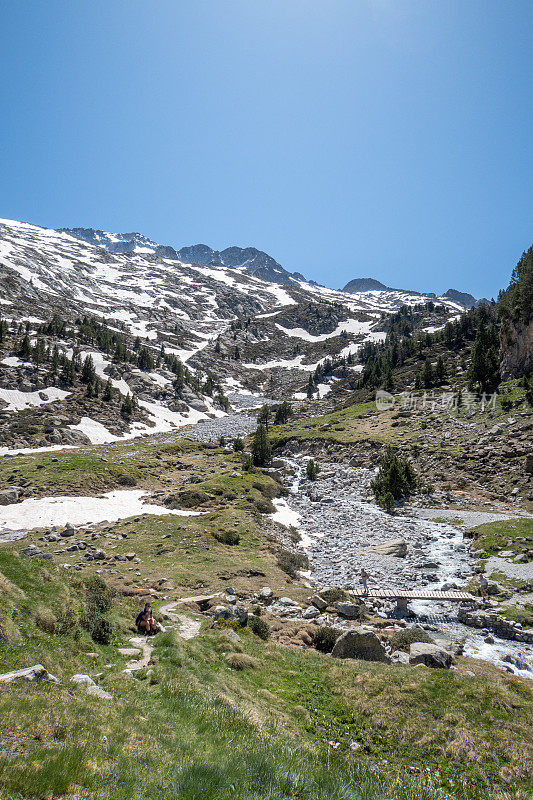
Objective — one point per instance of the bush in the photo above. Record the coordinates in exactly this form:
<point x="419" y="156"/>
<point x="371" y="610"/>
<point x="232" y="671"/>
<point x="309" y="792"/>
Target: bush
<point x="324" y="638"/>
<point x="66" y="623"/>
<point x="403" y="639"/>
<point x="312" y="470"/>
<point x="227" y="537"/>
<point x="98" y="595"/>
<point x="99" y="628"/>
<point x="238" y="445"/>
<point x="396" y="477"/>
<point x="45" y="620"/>
<point x="259" y="627"/>
<point x="290" y="562"/>
<point x="241" y="661"/>
<point x="264" y="506"/>
<point x="188" y="498"/>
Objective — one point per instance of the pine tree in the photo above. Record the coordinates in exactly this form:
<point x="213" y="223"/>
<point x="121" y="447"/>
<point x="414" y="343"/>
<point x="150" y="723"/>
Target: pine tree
<point x="127" y="407"/>
<point x="427" y="374"/>
<point x="88" y="373"/>
<point x="264" y="415"/>
<point x="261" y="450"/>
<point x="283" y="413"/>
<point x="25" y="349"/>
<point x="108" y="391"/>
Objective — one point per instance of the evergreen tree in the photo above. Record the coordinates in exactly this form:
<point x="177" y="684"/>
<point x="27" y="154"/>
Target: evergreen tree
<point x="264" y="415"/>
<point x="427" y="374"/>
<point x="312" y="469"/>
<point x="283" y="413"/>
<point x="238" y="445"/>
<point x="25" y="349"/>
<point x="88" y="373"/>
<point x="261" y="450"/>
<point x="108" y="391"/>
<point x="127" y="407"/>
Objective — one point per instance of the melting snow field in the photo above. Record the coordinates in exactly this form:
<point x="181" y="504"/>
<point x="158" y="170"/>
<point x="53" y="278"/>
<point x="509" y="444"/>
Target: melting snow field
<point x="110" y="507"/>
<point x="18" y="401"/>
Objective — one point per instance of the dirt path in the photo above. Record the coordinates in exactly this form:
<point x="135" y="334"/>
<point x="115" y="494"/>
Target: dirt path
<point x="188" y="628"/>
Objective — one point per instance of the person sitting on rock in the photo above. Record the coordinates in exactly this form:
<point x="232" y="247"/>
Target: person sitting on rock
<point x="145" y="621"/>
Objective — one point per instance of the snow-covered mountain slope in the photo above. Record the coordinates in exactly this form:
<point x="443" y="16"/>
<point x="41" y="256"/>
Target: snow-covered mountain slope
<point x="218" y="320"/>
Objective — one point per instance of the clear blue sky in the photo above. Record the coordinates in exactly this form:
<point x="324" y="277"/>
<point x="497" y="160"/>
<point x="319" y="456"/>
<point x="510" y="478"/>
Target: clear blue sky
<point x="347" y="138"/>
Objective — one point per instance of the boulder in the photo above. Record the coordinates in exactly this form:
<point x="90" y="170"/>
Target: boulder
<point x="35" y="673"/>
<point x="9" y="496"/>
<point x="32" y="551"/>
<point x="311" y="612"/>
<point x="349" y="610"/>
<point x="360" y="643"/>
<point x="319" y="602"/>
<point x="395" y="547"/>
<point x="431" y="655"/>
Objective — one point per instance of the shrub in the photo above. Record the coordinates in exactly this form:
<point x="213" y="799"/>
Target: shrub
<point x="227" y="537"/>
<point x="259" y="627"/>
<point x="238" y="445"/>
<point x="324" y="638"/>
<point x="99" y="628"/>
<point x="290" y="562"/>
<point x="188" y="498"/>
<point x="264" y="506"/>
<point x="45" y="620"/>
<point x="312" y="469"/>
<point x="98" y="595"/>
<point x="241" y="661"/>
<point x="403" y="639"/>
<point x="66" y="622"/>
<point x="396" y="477"/>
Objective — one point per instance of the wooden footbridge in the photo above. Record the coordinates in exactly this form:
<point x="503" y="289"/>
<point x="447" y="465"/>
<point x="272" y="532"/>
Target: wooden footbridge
<point x="402" y="598"/>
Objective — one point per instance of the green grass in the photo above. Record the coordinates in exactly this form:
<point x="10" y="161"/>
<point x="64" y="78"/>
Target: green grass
<point x="492" y="537"/>
<point x="294" y="724"/>
<point x="355" y="423"/>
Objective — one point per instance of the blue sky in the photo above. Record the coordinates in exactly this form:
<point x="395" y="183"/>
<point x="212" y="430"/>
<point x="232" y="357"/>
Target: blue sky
<point x="347" y="138"/>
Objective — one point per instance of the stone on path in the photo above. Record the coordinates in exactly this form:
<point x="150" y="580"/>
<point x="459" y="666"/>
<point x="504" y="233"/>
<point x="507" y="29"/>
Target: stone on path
<point x="360" y="643"/>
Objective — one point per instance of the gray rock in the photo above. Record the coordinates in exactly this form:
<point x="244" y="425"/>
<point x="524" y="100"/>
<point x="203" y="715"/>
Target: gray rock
<point x="311" y="613"/>
<point x="80" y="678"/>
<point x="266" y="593"/>
<point x="349" y="610"/>
<point x="360" y="643"/>
<point x="97" y="691"/>
<point x="35" y="673"/>
<point x="396" y="547"/>
<point x="9" y="496"/>
<point x="99" y="555"/>
<point x="429" y="654"/>
<point x="319" y="602"/>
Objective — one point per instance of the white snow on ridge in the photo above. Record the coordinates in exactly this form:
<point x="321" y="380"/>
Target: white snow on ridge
<point x="110" y="507"/>
<point x="18" y="401"/>
<point x="354" y="326"/>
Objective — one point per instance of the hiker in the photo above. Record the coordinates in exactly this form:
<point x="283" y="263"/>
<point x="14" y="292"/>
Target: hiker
<point x="484" y="588"/>
<point x="145" y="621"/>
<point x="364" y="580"/>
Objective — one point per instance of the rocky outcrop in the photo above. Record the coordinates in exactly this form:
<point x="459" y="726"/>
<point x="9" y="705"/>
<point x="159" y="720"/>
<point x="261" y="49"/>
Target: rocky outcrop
<point x="516" y="350"/>
<point x="360" y="643"/>
<point x="493" y="622"/>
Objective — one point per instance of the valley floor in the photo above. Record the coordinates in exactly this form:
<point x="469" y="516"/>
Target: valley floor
<point x="225" y="713"/>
